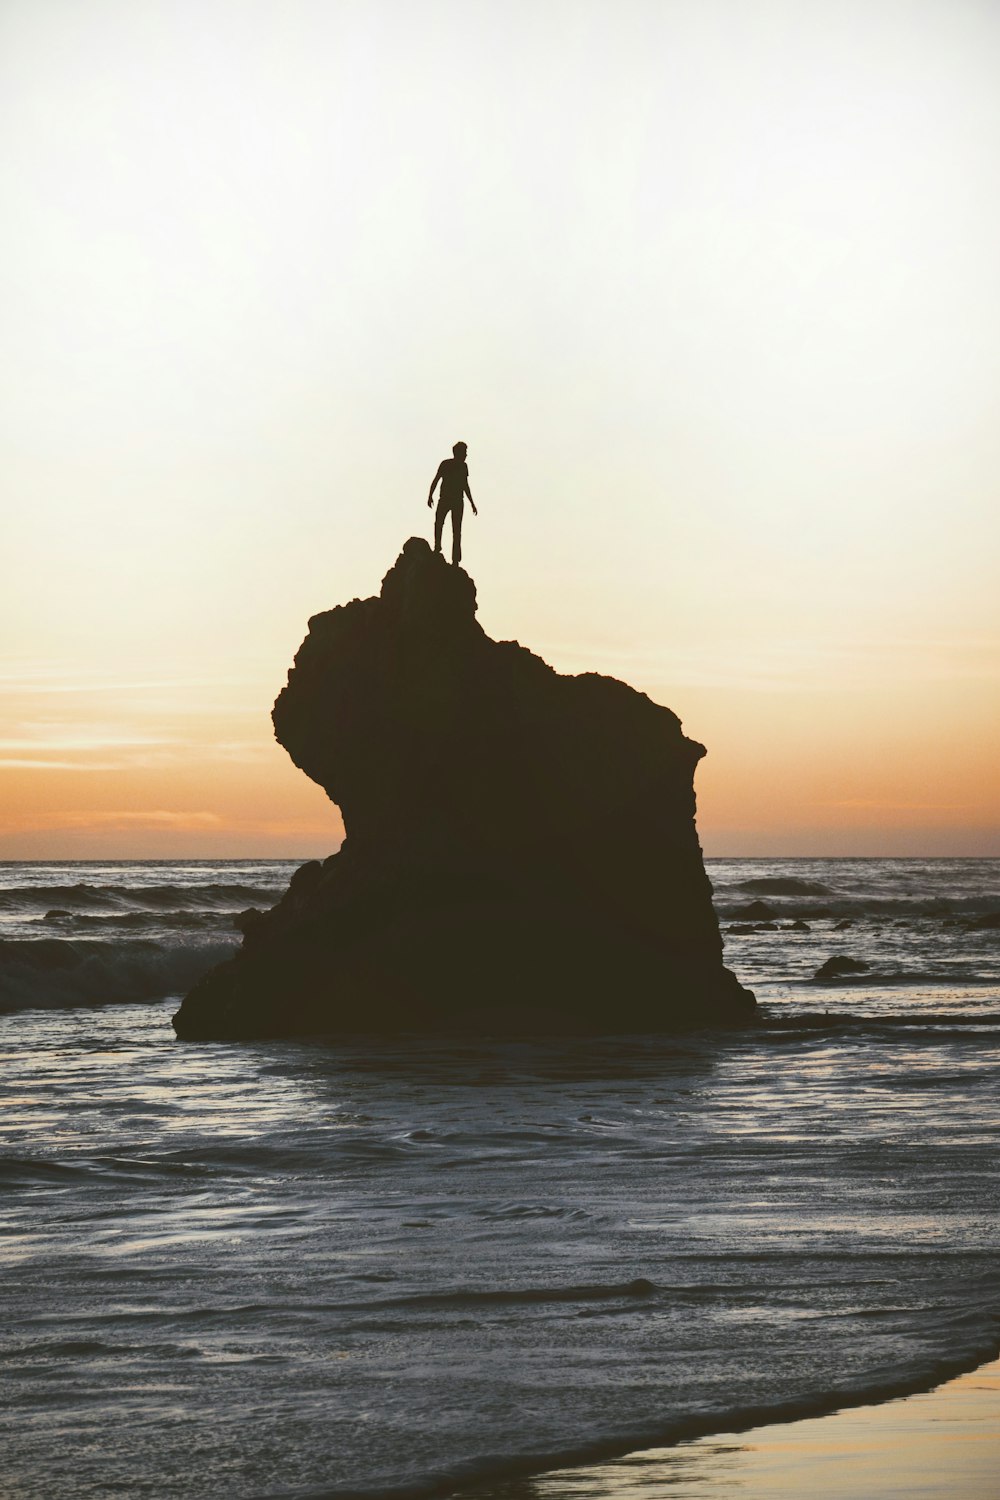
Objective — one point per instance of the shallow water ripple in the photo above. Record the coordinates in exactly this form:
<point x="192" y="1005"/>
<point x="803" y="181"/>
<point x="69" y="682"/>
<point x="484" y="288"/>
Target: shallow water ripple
<point x="294" y="1267"/>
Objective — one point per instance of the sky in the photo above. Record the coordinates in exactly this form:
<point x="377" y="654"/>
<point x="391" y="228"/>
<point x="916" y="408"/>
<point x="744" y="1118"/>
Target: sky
<point x="709" y="287"/>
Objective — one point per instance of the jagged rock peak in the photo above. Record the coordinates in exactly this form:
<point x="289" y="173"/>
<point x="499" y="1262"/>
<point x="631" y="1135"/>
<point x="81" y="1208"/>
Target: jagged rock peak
<point x="423" y="591"/>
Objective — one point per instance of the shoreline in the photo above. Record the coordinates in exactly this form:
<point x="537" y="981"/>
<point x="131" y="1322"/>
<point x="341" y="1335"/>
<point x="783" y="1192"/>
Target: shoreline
<point x="940" y="1444"/>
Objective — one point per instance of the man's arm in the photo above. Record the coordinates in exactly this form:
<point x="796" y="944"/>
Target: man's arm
<point x="471" y="501"/>
<point x="437" y="476"/>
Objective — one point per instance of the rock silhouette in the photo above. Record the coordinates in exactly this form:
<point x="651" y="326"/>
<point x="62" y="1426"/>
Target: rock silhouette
<point x="521" y="853"/>
<point x="839" y="966"/>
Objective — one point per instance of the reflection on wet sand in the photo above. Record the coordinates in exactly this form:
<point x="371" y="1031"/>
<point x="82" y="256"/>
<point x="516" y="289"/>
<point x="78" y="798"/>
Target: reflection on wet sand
<point x="942" y="1445"/>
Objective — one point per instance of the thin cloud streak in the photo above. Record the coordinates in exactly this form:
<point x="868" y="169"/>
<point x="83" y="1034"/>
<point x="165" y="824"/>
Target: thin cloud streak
<point x="87" y="742"/>
<point x="872" y="804"/>
<point x="65" y="678"/>
<point x="154" y="818"/>
<point x="160" y="819"/>
<point x="802" y="667"/>
<point x="62" y="765"/>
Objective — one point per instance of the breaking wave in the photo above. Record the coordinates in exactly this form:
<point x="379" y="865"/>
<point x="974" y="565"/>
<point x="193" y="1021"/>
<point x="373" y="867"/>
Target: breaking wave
<point x="139" y="921"/>
<point x="84" y="896"/>
<point x="47" y="972"/>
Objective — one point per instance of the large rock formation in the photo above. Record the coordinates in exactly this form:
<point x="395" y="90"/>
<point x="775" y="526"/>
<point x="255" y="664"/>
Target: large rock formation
<point x="521" y="852"/>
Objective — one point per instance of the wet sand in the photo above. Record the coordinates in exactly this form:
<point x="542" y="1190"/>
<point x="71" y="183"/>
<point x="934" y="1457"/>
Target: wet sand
<point x="940" y="1445"/>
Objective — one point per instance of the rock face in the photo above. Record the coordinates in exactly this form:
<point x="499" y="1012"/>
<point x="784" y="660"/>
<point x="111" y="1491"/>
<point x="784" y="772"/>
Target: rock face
<point x="521" y="852"/>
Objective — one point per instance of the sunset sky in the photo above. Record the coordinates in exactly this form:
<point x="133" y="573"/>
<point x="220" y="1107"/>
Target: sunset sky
<point x="709" y="287"/>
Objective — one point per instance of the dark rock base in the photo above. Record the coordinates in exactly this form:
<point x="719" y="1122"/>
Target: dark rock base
<point x="473" y="960"/>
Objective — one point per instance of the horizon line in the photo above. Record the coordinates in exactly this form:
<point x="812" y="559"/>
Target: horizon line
<point x="208" y="859"/>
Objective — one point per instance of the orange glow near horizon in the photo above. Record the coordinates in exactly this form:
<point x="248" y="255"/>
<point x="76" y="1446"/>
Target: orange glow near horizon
<point x="172" y="769"/>
<point x="189" y="769"/>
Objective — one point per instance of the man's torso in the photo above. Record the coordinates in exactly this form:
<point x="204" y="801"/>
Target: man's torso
<point x="454" y="473"/>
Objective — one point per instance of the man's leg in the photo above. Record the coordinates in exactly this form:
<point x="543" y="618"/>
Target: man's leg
<point x="439" y="515"/>
<point x="456" y="531"/>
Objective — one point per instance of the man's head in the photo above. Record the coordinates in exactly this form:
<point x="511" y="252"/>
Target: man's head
<point x="459" y="450"/>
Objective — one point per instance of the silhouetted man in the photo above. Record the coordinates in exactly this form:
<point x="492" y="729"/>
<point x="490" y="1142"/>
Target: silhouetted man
<point x="454" y="476"/>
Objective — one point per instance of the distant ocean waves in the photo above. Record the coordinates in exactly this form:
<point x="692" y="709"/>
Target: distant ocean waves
<point x="93" y="933"/>
<point x="109" y="933"/>
<point x="865" y="932"/>
<point x="87" y="896"/>
<point x="805" y="898"/>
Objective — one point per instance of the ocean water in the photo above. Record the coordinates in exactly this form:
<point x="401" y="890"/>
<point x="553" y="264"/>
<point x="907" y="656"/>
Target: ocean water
<point x="424" y="1268"/>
